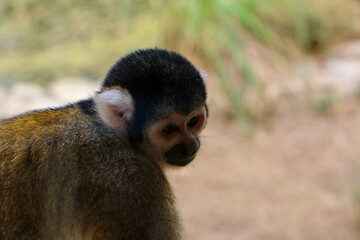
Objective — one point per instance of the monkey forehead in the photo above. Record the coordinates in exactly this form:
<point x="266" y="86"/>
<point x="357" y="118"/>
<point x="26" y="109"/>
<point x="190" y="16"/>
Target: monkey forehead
<point x="195" y="111"/>
<point x="166" y="114"/>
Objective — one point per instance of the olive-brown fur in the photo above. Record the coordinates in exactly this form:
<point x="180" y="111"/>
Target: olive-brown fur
<point x="64" y="174"/>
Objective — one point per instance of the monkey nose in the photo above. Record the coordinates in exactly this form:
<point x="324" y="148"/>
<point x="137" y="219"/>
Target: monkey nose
<point x="191" y="148"/>
<point x="183" y="153"/>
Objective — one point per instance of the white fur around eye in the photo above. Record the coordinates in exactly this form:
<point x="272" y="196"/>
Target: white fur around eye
<point x="115" y="107"/>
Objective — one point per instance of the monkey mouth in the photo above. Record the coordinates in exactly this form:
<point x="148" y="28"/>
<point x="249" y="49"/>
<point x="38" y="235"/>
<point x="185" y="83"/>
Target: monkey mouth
<point x="180" y="162"/>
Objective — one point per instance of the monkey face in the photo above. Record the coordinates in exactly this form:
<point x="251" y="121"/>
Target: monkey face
<point x="176" y="137"/>
<point x="157" y="99"/>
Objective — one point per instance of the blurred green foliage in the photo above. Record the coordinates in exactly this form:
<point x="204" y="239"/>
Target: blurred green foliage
<point x="43" y="40"/>
<point x="324" y="104"/>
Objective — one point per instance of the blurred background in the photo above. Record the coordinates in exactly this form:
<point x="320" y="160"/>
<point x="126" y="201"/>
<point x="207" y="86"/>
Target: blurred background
<point x="280" y="157"/>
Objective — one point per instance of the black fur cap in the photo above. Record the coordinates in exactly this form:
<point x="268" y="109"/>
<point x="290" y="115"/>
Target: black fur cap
<point x="160" y="82"/>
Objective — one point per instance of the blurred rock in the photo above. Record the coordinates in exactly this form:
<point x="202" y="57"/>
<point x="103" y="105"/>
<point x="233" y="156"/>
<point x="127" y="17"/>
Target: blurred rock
<point x="341" y="76"/>
<point x="338" y="74"/>
<point x="24" y="97"/>
<point x="346" y="50"/>
<point x="2" y="101"/>
<point x="72" y="89"/>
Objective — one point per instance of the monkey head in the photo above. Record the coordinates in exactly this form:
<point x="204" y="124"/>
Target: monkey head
<point x="158" y="98"/>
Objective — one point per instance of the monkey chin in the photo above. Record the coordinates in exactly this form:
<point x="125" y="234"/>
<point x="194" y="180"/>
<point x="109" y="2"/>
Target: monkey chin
<point x="166" y="163"/>
<point x="180" y="162"/>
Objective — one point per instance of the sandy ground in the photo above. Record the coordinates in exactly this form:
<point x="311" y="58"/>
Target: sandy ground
<point x="296" y="180"/>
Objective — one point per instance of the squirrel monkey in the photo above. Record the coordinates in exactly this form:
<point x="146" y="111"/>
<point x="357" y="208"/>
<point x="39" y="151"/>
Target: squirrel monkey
<point x="94" y="169"/>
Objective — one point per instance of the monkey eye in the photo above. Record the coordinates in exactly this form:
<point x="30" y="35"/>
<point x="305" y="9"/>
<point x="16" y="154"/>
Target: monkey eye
<point x="193" y="121"/>
<point x="170" y="129"/>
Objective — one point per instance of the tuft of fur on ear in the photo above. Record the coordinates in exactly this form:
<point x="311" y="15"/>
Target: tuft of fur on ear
<point x="115" y="107"/>
<point x="203" y="75"/>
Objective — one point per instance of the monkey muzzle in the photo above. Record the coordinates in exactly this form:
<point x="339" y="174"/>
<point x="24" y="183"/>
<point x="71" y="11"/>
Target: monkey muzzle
<point x="183" y="153"/>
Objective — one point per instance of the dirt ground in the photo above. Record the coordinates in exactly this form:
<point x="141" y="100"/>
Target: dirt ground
<point x="295" y="180"/>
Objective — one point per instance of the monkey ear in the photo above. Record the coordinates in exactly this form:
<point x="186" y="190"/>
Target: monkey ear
<point x="115" y="107"/>
<point x="203" y="75"/>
